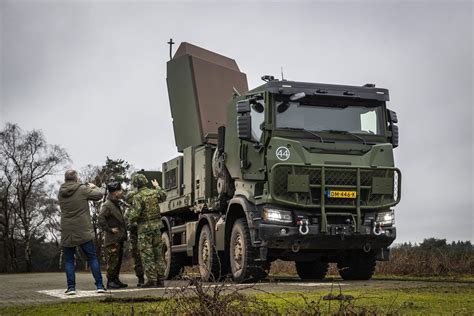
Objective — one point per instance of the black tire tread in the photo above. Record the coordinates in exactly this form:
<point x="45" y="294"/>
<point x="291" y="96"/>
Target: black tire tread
<point x="359" y="266"/>
<point x="312" y="270"/>
<point x="255" y="270"/>
<point x="216" y="273"/>
<point x="177" y="263"/>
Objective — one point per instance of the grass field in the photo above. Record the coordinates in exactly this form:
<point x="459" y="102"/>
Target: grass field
<point x="447" y="278"/>
<point x="451" y="298"/>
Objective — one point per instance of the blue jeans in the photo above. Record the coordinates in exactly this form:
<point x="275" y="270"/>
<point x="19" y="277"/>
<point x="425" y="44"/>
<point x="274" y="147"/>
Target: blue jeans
<point x="89" y="249"/>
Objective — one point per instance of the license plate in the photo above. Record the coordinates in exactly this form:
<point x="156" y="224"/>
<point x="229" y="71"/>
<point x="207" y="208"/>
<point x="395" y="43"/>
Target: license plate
<point x="342" y="194"/>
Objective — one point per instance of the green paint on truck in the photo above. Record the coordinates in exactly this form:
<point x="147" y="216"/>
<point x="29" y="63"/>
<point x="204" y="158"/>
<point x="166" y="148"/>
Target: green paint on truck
<point x="289" y="170"/>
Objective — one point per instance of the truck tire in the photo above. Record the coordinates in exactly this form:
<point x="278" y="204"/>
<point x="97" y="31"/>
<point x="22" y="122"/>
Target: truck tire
<point x="357" y="266"/>
<point x="312" y="270"/>
<point x="174" y="262"/>
<point x="208" y="260"/>
<point x="242" y="256"/>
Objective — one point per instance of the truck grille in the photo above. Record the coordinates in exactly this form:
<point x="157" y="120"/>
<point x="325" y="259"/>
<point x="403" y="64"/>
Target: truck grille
<point x="324" y="178"/>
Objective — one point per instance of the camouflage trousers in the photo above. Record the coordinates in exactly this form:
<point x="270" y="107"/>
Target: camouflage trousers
<point x="137" y="260"/>
<point x="114" y="260"/>
<point x="150" y="246"/>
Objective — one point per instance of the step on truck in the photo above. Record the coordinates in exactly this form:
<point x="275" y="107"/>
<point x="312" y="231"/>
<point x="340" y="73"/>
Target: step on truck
<point x="289" y="170"/>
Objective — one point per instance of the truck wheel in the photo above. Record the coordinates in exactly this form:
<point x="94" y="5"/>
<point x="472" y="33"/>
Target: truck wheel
<point x="312" y="270"/>
<point x="174" y="262"/>
<point x="358" y="266"/>
<point x="242" y="255"/>
<point x="209" y="263"/>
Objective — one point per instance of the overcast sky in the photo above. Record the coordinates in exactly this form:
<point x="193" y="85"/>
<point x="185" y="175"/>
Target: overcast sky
<point x="91" y="76"/>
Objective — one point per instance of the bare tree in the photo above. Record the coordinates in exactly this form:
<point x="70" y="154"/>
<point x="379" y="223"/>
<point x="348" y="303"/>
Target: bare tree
<point x="52" y="213"/>
<point x="8" y="223"/>
<point x="89" y="173"/>
<point x="26" y="162"/>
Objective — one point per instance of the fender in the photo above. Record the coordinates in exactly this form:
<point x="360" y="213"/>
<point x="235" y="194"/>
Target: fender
<point x="167" y="223"/>
<point x="251" y="214"/>
<point x="204" y="219"/>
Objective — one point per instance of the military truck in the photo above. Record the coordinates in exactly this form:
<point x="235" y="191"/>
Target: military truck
<point x="289" y="170"/>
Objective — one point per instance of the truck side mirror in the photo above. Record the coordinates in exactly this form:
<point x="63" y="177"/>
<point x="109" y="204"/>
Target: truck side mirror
<point x="394" y="136"/>
<point x="392" y="118"/>
<point x="244" y="120"/>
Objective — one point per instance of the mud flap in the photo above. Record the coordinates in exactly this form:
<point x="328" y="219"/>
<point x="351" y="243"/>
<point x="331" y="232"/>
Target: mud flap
<point x="383" y="254"/>
<point x="263" y="253"/>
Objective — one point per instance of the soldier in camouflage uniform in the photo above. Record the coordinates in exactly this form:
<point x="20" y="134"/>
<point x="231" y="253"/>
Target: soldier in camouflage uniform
<point x="146" y="213"/>
<point x="133" y="231"/>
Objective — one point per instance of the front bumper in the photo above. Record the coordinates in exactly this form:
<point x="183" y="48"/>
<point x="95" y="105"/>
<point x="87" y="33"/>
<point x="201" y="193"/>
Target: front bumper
<point x="338" y="237"/>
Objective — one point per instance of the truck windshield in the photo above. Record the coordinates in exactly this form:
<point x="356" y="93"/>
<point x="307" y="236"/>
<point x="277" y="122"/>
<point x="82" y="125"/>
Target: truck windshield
<point x="357" y="119"/>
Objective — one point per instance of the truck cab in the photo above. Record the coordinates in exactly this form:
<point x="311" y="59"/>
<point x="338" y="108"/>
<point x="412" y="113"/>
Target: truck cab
<point x="315" y="162"/>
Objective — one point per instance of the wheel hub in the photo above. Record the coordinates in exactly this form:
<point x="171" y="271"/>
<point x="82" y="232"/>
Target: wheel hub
<point x="166" y="254"/>
<point x="238" y="251"/>
<point x="205" y="251"/>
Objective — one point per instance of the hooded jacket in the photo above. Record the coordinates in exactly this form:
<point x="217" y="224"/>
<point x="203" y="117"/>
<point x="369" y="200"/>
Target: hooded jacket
<point x="76" y="224"/>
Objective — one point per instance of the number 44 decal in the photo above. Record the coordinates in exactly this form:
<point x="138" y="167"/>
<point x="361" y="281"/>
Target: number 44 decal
<point x="282" y="153"/>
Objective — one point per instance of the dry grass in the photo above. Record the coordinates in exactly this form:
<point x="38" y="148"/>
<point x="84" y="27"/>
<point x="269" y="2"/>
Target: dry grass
<point x="224" y="298"/>
<point x="199" y="298"/>
<point x="433" y="257"/>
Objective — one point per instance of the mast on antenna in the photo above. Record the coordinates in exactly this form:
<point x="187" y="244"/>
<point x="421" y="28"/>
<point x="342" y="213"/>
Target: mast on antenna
<point x="171" y="48"/>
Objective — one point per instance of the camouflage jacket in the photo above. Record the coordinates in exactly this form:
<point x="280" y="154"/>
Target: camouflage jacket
<point x="145" y="210"/>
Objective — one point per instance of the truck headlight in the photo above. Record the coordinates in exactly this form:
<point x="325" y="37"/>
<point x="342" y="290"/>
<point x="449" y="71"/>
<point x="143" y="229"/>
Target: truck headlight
<point x="385" y="218"/>
<point x="278" y="216"/>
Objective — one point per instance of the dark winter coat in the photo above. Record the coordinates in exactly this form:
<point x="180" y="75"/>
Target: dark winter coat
<point x="111" y="216"/>
<point x="76" y="224"/>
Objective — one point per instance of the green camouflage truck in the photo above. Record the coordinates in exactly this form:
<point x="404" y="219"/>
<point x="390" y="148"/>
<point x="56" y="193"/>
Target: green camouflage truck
<point x="289" y="170"/>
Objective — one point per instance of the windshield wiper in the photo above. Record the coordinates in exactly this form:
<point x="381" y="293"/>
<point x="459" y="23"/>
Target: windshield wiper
<point x="303" y="130"/>
<point x="345" y="133"/>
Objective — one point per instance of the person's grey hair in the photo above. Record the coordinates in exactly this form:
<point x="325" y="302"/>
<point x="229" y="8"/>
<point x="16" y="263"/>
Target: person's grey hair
<point x="70" y="175"/>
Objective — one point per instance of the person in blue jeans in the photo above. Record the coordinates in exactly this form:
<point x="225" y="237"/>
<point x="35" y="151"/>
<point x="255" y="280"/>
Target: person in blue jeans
<point x="77" y="229"/>
<point x="89" y="250"/>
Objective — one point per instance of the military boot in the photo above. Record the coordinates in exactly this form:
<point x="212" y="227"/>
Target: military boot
<point x="160" y="283"/>
<point x="112" y="284"/>
<point x="141" y="281"/>
<point x="122" y="285"/>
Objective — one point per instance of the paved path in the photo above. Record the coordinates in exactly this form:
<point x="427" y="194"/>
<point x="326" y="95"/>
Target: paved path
<point x="40" y="288"/>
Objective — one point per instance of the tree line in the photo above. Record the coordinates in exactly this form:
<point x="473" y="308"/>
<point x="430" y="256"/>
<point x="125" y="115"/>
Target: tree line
<point x="29" y="211"/>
